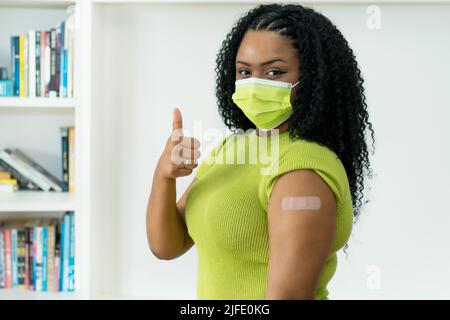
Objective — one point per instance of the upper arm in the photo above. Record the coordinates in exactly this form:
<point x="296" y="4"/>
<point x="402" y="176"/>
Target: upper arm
<point x="188" y="242"/>
<point x="300" y="237"/>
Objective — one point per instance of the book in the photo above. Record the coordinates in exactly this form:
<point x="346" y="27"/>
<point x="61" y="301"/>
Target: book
<point x="71" y="146"/>
<point x="22" y="65"/>
<point x="8" y="258"/>
<point x="38" y="63"/>
<point x="65" y="253"/>
<point x="71" y="272"/>
<point x="6" y="88"/>
<point x="5" y="174"/>
<point x="65" y="158"/>
<point x="47" y="63"/>
<point x="23" y="182"/>
<point x="39" y="258"/>
<point x="2" y="258"/>
<point x="15" y="64"/>
<point x="21" y="258"/>
<point x="31" y="64"/>
<point x="24" y="169"/>
<point x="49" y="178"/>
<point x="52" y="86"/>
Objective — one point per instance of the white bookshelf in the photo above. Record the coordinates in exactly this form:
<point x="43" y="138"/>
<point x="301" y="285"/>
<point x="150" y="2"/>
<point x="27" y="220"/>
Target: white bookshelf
<point x="33" y="124"/>
<point x="17" y="102"/>
<point x="36" y="201"/>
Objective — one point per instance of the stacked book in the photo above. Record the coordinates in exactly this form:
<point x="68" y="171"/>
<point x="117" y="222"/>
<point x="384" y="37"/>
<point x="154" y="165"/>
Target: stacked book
<point x="42" y="63"/>
<point x="18" y="171"/>
<point x="38" y="254"/>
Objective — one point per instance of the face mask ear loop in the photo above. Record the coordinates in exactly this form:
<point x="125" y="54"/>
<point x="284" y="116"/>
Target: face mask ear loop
<point x="296" y="84"/>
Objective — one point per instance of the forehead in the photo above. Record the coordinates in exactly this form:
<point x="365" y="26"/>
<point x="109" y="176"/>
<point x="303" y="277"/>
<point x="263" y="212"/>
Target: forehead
<point x="263" y="45"/>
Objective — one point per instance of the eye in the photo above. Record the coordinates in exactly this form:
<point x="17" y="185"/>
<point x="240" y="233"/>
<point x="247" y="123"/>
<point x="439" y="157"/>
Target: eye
<point x="276" y="72"/>
<point x="243" y="70"/>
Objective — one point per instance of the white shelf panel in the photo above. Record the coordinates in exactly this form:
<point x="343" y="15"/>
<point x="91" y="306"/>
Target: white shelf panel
<point x="20" y="294"/>
<point x="36" y="201"/>
<point x="17" y="102"/>
<point x="35" y="3"/>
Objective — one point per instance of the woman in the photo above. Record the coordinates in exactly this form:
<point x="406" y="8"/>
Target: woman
<point x="274" y="235"/>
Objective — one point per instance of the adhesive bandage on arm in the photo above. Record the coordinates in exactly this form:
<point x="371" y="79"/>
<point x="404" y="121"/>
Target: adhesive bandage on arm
<point x="301" y="203"/>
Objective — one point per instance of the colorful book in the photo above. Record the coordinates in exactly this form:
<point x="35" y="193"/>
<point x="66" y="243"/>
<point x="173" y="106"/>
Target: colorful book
<point x="65" y="158"/>
<point x="15" y="64"/>
<point x="2" y="259"/>
<point x="71" y="273"/>
<point x="71" y="145"/>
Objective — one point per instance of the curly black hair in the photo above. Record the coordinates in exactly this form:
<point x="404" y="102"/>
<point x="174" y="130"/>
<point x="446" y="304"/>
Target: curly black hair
<point x="330" y="108"/>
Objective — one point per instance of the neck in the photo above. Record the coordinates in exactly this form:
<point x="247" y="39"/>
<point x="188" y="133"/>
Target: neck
<point x="282" y="128"/>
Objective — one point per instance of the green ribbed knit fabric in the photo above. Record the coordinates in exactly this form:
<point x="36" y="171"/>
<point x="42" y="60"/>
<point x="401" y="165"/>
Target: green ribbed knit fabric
<point x="226" y="210"/>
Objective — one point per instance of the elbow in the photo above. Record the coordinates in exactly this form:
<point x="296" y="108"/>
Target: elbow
<point x="161" y="253"/>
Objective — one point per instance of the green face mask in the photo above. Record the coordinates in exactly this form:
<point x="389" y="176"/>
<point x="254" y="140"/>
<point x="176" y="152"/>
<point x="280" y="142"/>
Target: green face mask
<point x="267" y="103"/>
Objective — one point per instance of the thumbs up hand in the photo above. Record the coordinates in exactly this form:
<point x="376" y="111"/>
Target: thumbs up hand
<point x="180" y="154"/>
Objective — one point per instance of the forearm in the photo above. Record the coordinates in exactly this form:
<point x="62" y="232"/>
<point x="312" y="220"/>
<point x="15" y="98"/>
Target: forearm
<point x="165" y="228"/>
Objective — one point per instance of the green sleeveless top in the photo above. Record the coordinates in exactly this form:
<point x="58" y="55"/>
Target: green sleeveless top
<point x="226" y="210"/>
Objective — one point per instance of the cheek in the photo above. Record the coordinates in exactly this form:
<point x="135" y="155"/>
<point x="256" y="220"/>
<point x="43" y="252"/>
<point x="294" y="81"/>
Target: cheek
<point x="293" y="94"/>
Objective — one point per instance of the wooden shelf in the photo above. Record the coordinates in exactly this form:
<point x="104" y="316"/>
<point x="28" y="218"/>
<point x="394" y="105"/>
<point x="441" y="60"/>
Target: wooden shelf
<point x="21" y="294"/>
<point x="36" y="201"/>
<point x="17" y="102"/>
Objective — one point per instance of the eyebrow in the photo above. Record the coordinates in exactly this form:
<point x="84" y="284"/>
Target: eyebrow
<point x="264" y="63"/>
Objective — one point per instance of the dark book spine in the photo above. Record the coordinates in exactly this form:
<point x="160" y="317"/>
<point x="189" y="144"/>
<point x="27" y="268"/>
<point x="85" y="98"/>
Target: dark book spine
<point x="65" y="159"/>
<point x="58" y="60"/>
<point x="15" y="64"/>
<point x="38" y="63"/>
<point x="21" y="258"/>
<point x="22" y="181"/>
<point x="52" y="86"/>
<point x="31" y="259"/>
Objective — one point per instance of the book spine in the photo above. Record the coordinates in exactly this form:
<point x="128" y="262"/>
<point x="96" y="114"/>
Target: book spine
<point x="27" y="66"/>
<point x="65" y="275"/>
<point x="14" y="273"/>
<point x="8" y="259"/>
<point x="61" y="272"/>
<point x="71" y="145"/>
<point x="32" y="259"/>
<point x="52" y="86"/>
<point x="50" y="257"/>
<point x="58" y="60"/>
<point x="32" y="64"/>
<point x="2" y="260"/>
<point x="44" y="258"/>
<point x="57" y="256"/>
<point x="39" y="258"/>
<point x="47" y="63"/>
<point x="62" y="90"/>
<point x="27" y="259"/>
<point x="65" y="159"/>
<point x="21" y="259"/>
<point x="71" y="275"/>
<point x="38" y="63"/>
<point x="22" y="65"/>
<point x="43" y="62"/>
<point x="15" y="64"/>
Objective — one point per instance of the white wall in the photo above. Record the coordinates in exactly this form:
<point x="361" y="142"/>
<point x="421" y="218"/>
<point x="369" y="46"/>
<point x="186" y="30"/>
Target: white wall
<point x="154" y="57"/>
